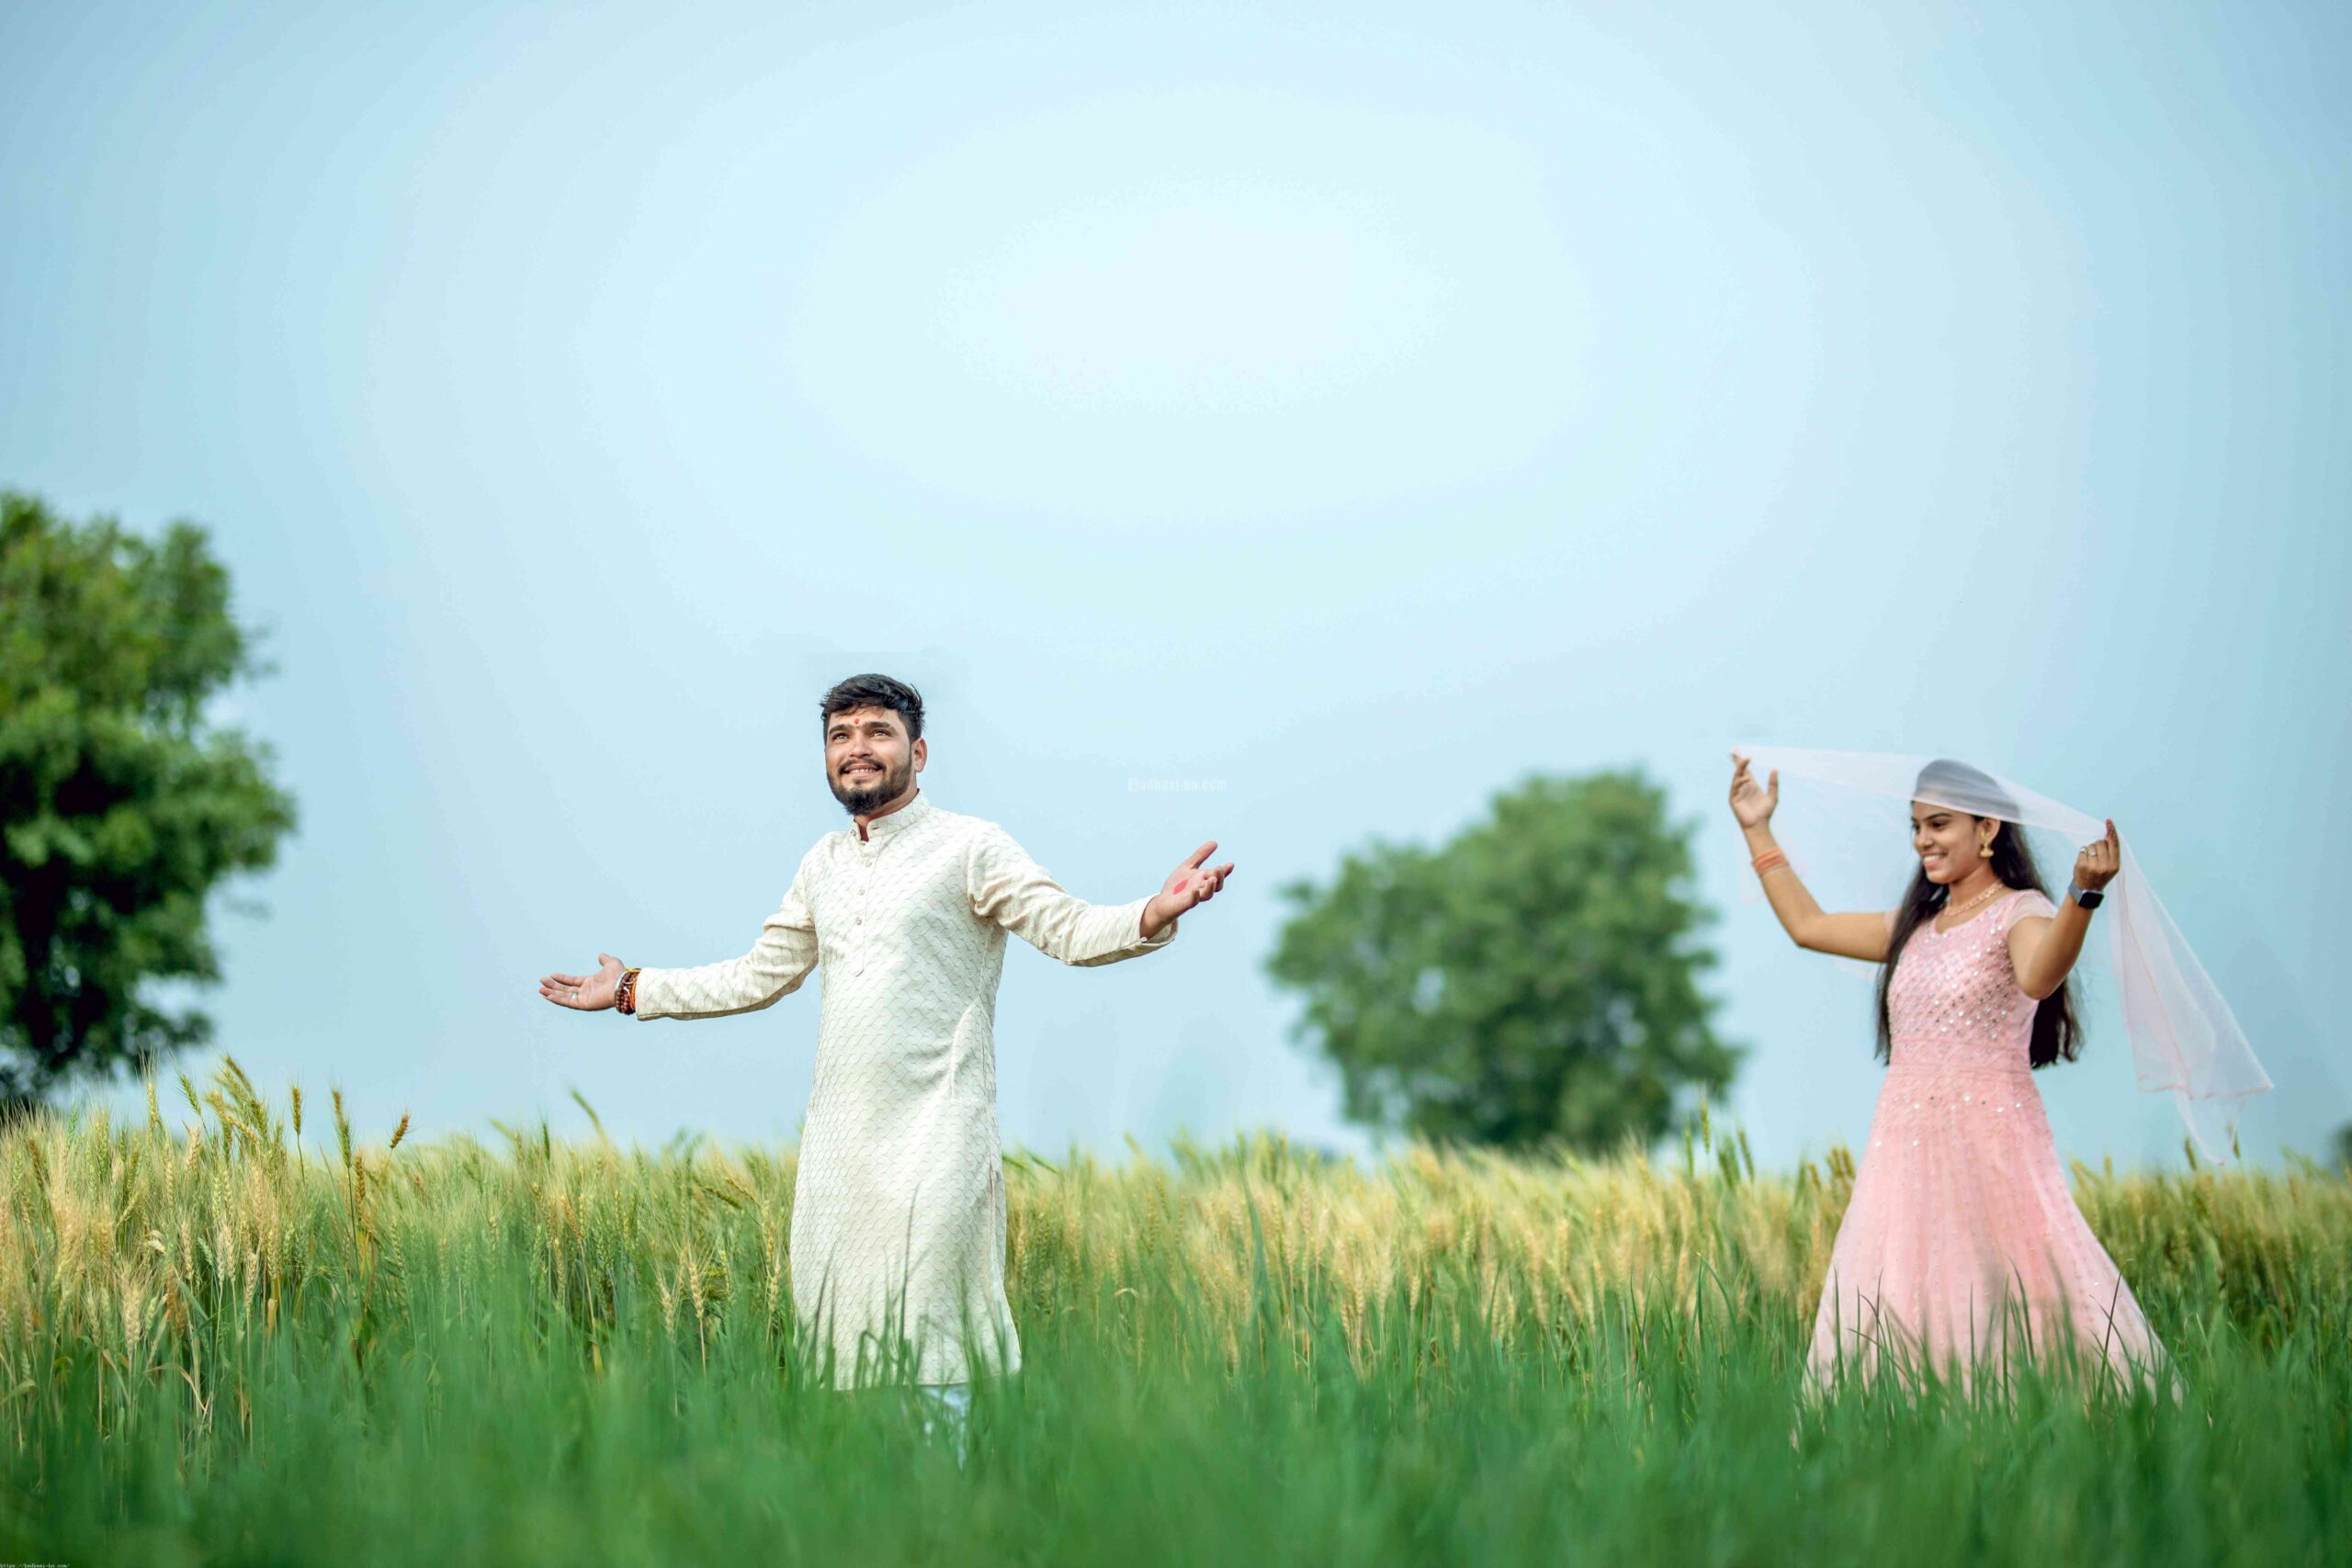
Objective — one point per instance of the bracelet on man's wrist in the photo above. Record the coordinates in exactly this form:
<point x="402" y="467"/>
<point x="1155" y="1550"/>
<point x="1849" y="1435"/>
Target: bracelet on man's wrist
<point x="624" y="992"/>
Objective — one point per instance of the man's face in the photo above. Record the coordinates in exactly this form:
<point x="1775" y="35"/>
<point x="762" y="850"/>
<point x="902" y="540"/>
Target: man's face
<point x="868" y="762"/>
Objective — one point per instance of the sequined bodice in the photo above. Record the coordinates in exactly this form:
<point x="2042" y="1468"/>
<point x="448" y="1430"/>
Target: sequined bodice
<point x="1954" y="999"/>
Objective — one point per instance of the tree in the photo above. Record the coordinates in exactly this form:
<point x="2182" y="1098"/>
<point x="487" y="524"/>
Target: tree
<point x="121" y="808"/>
<point x="1534" y="982"/>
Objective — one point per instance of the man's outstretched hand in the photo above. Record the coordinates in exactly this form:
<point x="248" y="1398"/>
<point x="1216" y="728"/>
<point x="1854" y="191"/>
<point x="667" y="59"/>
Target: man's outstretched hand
<point x="1191" y="883"/>
<point x="586" y="992"/>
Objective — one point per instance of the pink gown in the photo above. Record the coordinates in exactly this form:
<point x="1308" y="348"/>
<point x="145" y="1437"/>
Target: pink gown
<point x="1961" y="1245"/>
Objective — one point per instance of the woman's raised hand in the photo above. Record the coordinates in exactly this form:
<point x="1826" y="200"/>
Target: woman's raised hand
<point x="588" y="993"/>
<point x="2099" y="862"/>
<point x="1752" y="803"/>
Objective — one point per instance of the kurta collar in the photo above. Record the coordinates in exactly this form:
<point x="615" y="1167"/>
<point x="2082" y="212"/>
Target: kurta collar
<point x="898" y="821"/>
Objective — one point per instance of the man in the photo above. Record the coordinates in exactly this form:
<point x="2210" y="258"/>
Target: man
<point x="898" y="1218"/>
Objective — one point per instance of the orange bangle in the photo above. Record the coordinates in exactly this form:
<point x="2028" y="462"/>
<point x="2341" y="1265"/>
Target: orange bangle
<point x="1768" y="861"/>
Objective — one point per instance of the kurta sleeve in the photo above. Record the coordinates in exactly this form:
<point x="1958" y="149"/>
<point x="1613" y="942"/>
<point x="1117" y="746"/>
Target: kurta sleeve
<point x="1008" y="887"/>
<point x="777" y="963"/>
<point x="2019" y="909"/>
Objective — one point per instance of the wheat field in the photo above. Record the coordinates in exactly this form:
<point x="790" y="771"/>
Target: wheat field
<point x="240" y="1332"/>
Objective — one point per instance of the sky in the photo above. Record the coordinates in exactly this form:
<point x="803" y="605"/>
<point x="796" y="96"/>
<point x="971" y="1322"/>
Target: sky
<point x="1285" y="425"/>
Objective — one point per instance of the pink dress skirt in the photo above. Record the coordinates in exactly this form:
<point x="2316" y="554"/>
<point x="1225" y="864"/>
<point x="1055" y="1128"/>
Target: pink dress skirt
<point x="1962" y="1246"/>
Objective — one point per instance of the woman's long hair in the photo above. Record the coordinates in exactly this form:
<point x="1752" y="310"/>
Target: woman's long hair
<point x="2057" y="1037"/>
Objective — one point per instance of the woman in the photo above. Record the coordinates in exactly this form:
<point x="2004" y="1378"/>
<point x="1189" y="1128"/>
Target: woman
<point x="1960" y="1245"/>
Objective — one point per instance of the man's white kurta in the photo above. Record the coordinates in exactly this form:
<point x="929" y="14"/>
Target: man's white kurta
<point x="898" y="1214"/>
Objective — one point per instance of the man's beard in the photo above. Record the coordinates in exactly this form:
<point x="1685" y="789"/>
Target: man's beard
<point x="861" y="801"/>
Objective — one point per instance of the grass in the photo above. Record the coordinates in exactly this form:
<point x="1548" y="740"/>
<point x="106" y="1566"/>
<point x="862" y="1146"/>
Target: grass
<point x="228" y="1343"/>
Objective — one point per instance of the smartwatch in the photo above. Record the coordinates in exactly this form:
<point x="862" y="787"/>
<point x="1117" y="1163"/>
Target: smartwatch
<point x="2083" y="896"/>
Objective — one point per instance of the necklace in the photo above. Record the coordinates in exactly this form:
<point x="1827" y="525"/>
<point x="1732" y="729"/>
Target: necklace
<point x="1996" y="888"/>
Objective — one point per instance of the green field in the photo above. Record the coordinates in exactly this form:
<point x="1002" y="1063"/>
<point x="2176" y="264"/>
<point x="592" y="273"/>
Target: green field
<point x="220" y="1342"/>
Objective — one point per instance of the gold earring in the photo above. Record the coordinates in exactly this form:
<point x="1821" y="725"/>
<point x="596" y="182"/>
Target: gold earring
<point x="1984" y="850"/>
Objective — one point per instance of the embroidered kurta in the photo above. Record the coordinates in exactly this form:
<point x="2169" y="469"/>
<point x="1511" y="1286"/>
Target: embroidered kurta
<point x="1961" y="1244"/>
<point x="898" y="1213"/>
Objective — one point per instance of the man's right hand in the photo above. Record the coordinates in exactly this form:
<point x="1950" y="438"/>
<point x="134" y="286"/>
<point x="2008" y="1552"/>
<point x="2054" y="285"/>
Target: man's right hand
<point x="586" y="992"/>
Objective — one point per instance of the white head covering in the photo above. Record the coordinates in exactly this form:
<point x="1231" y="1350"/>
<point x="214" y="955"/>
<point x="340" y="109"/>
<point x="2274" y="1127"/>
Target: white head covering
<point x="2185" y="1040"/>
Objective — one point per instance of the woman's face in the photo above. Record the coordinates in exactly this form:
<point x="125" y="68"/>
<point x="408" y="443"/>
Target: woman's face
<point x="1948" y="841"/>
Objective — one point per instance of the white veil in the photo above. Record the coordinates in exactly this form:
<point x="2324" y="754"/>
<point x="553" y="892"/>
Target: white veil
<point x="1840" y="809"/>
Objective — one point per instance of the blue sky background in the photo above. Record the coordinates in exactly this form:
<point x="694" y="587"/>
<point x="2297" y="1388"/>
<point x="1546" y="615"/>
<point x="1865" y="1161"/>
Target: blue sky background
<point x="1339" y="412"/>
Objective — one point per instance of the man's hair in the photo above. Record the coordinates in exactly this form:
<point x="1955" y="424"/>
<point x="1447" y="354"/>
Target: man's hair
<point x="876" y="692"/>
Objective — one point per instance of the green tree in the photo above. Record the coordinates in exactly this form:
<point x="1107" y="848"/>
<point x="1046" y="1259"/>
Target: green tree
<point x="121" y="808"/>
<point x="1533" y="982"/>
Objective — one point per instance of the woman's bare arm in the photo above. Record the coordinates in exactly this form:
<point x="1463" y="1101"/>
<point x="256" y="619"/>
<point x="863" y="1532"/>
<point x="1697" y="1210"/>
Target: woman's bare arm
<point x="2043" y="948"/>
<point x="1862" y="936"/>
